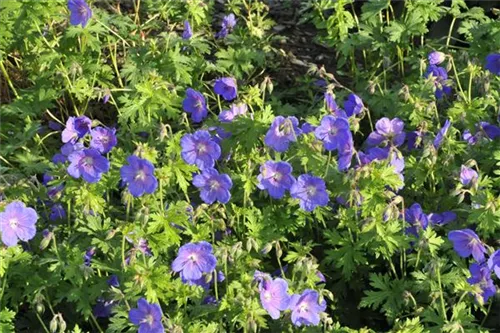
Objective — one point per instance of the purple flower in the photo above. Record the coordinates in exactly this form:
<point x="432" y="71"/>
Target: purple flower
<point x="200" y="149"/>
<point x="88" y="164"/>
<point x="195" y="104"/>
<point x="89" y="254"/>
<point x="468" y="176"/>
<point x="466" y="243"/>
<point x="334" y="132"/>
<point x="205" y="281"/>
<point x="282" y="132"/>
<point x="353" y="105"/>
<point x="276" y="178"/>
<point x="274" y="296"/>
<point x="414" y="139"/>
<point x="228" y="23"/>
<point x="481" y="275"/>
<point x="307" y="128"/>
<point x="387" y="131"/>
<point x="57" y="212"/>
<point x="66" y="150"/>
<point x="209" y="300"/>
<point x="147" y="317"/>
<point x="214" y="186"/>
<point x="76" y="128"/>
<point x="193" y="260"/>
<point x="103" y="139"/>
<point x="103" y="308"/>
<point x="321" y="277"/>
<point x="17" y="222"/>
<point x="494" y="263"/>
<point x="113" y="281"/>
<point x="469" y="138"/>
<point x="106" y="97"/>
<point x="311" y="191"/>
<point x="55" y="126"/>
<point x="139" y="175"/>
<point x="226" y="87"/>
<point x="442" y="218"/>
<point x="491" y="131"/>
<point x="436" y="57"/>
<point x="330" y="102"/>
<point x="493" y="63"/>
<point x="259" y="277"/>
<point x="46" y="179"/>
<point x="438" y="140"/>
<point x="306" y="309"/>
<point x="80" y="12"/>
<point x="188" y="32"/>
<point x="439" y="76"/>
<point x="227" y="116"/>
<point x="143" y="247"/>
<point x="416" y="218"/>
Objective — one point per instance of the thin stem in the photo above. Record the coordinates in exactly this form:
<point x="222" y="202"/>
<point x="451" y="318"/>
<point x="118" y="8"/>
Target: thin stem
<point x="9" y="82"/>
<point x="449" y="32"/>
<point x="113" y="32"/>
<point x="470" y="86"/>
<point x="328" y="163"/>
<point x="486" y="316"/>
<point x="441" y="297"/>
<point x="458" y="79"/>
<point x="96" y="323"/>
<point x="41" y="322"/>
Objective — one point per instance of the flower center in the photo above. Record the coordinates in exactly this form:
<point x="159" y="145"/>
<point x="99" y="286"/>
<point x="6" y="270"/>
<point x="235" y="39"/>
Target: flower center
<point x="149" y="319"/>
<point x="82" y="10"/>
<point x="267" y="296"/>
<point x="192" y="257"/>
<point x="333" y="131"/>
<point x="13" y="223"/>
<point x="201" y="147"/>
<point x="303" y="307"/>
<point x="140" y="175"/>
<point x="311" y="190"/>
<point x="88" y="161"/>
<point x="214" y="185"/>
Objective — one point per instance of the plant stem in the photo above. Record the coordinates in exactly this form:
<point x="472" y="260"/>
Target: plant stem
<point x="457" y="79"/>
<point x="449" y="32"/>
<point x="9" y="82"/>
<point x="441" y="297"/>
<point x="41" y="322"/>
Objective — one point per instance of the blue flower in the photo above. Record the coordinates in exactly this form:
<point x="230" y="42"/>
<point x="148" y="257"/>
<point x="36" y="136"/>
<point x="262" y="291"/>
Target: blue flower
<point x="353" y="105"/>
<point x="333" y="132"/>
<point x="88" y="164"/>
<point x="311" y="191"/>
<point x="481" y="277"/>
<point x="214" y="186"/>
<point x="494" y="263"/>
<point x="80" y="12"/>
<point x="307" y="128"/>
<point x="436" y="57"/>
<point x="113" y="281"/>
<point x="200" y="149"/>
<point x="274" y="296"/>
<point x="57" y="212"/>
<point x="416" y="218"/>
<point x="76" y="128"/>
<point x="139" y="175"/>
<point x="439" y="77"/>
<point x="438" y="140"/>
<point x="493" y="63"/>
<point x="442" y="218"/>
<point x="306" y="308"/>
<point x="387" y="131"/>
<point x="468" y="176"/>
<point x="103" y="308"/>
<point x="147" y="317"/>
<point x="17" y="222"/>
<point x="188" y="32"/>
<point x="226" y="87"/>
<point x="195" y="104"/>
<point x="330" y="102"/>
<point x="228" y="23"/>
<point x="227" y="116"/>
<point x="193" y="260"/>
<point x="103" y="139"/>
<point x="276" y="178"/>
<point x="282" y="132"/>
<point x="467" y="243"/>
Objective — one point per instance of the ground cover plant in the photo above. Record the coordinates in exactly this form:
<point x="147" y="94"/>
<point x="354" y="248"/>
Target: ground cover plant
<point x="249" y="166"/>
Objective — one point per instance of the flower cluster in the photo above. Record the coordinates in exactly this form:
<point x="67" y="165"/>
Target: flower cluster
<point x="305" y="308"/>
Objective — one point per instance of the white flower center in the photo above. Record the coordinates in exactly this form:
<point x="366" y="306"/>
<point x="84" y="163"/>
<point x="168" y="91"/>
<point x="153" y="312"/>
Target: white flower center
<point x="192" y="257"/>
<point x="267" y="296"/>
<point x="13" y="223"/>
<point x="303" y="307"/>
<point x="140" y="175"/>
